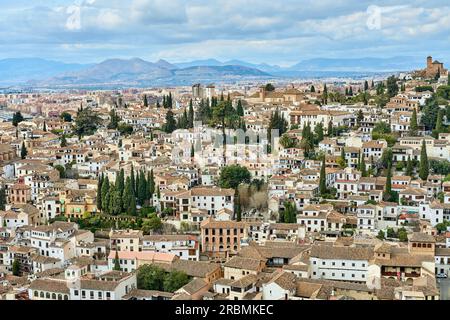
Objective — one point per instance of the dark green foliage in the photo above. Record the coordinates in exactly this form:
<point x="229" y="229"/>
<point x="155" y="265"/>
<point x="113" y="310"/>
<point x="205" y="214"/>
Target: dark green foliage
<point x="2" y="199"/>
<point x="116" y="262"/>
<point x="16" y="268"/>
<point x="151" y="277"/>
<point x="86" y="122"/>
<point x="66" y="117"/>
<point x="290" y="212"/>
<point x="232" y="176"/>
<point x="269" y="87"/>
<point x="114" y="120"/>
<point x="424" y="169"/>
<point x="392" y="86"/>
<point x="23" y="151"/>
<point x="17" y="118"/>
<point x="322" y="179"/>
<point x="170" y="125"/>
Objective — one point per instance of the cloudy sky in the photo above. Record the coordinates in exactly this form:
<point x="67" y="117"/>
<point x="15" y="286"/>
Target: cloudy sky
<point x="280" y="32"/>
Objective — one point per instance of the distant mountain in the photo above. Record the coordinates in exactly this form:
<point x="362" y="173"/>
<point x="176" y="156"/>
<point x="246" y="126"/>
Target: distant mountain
<point x="200" y="63"/>
<point x="216" y="63"/>
<point x="14" y="71"/>
<point x="360" y="64"/>
<point x="138" y="72"/>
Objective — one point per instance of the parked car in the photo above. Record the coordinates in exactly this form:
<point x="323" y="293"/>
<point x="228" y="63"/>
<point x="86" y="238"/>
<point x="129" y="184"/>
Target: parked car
<point x="442" y="276"/>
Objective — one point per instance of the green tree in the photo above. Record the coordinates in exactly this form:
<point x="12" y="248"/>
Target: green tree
<point x="413" y="124"/>
<point x="153" y="223"/>
<point x="105" y="194"/>
<point x="430" y="113"/>
<point x="240" y="109"/>
<point x="387" y="195"/>
<point x="63" y="141"/>
<point x="359" y="117"/>
<point x="17" y="118"/>
<point x="66" y="117"/>
<point x="86" y="122"/>
<point x="142" y="189"/>
<point x="424" y="169"/>
<point x="409" y="167"/>
<point x="2" y="198"/>
<point x="16" y="268"/>
<point x="318" y="131"/>
<point x="287" y="142"/>
<point x="269" y="87"/>
<point x="114" y="120"/>
<point x="170" y="125"/>
<point x="362" y="167"/>
<point x="191" y="115"/>
<point x="145" y="101"/>
<point x="330" y="129"/>
<point x="392" y="86"/>
<point x="313" y="89"/>
<point x="99" y="192"/>
<point x="402" y="235"/>
<point x="232" y="176"/>
<point x="175" y="280"/>
<point x="366" y="85"/>
<point x="290" y="212"/>
<point x="62" y="171"/>
<point x="150" y="277"/>
<point x="322" y="180"/>
<point x="342" y="162"/>
<point x="23" y="151"/>
<point x="151" y="184"/>
<point x="381" y="235"/>
<point x="116" y="262"/>
<point x="133" y="180"/>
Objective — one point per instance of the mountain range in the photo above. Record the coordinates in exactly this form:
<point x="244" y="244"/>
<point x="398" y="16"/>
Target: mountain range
<point x="137" y="72"/>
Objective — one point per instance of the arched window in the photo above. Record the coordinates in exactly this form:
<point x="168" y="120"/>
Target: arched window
<point x="41" y="294"/>
<point x="66" y="297"/>
<point x="47" y="295"/>
<point x="60" y="296"/>
<point x="54" y="296"/>
<point x="36" y="293"/>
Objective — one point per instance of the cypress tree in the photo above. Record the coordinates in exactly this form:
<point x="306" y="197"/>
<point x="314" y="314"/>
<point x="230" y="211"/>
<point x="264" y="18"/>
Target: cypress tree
<point x="240" y="109"/>
<point x="409" y="167"/>
<point x="388" y="189"/>
<point x="99" y="192"/>
<point x="142" y="188"/>
<point x="23" y="151"/>
<point x="322" y="180"/>
<point x="105" y="194"/>
<point x="191" y="115"/>
<point x="325" y="94"/>
<point x="413" y="125"/>
<point x="151" y="184"/>
<point x="133" y="180"/>
<point x="116" y="262"/>
<point x="439" y="127"/>
<point x="424" y="168"/>
<point x="2" y="198"/>
<point x="362" y="166"/>
<point x="330" y="129"/>
<point x="145" y="101"/>
<point x="128" y="196"/>
<point x="343" y="160"/>
<point x="313" y="89"/>
<point x="170" y="125"/>
<point x="366" y="85"/>
<point x="63" y="141"/>
<point x="45" y="127"/>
